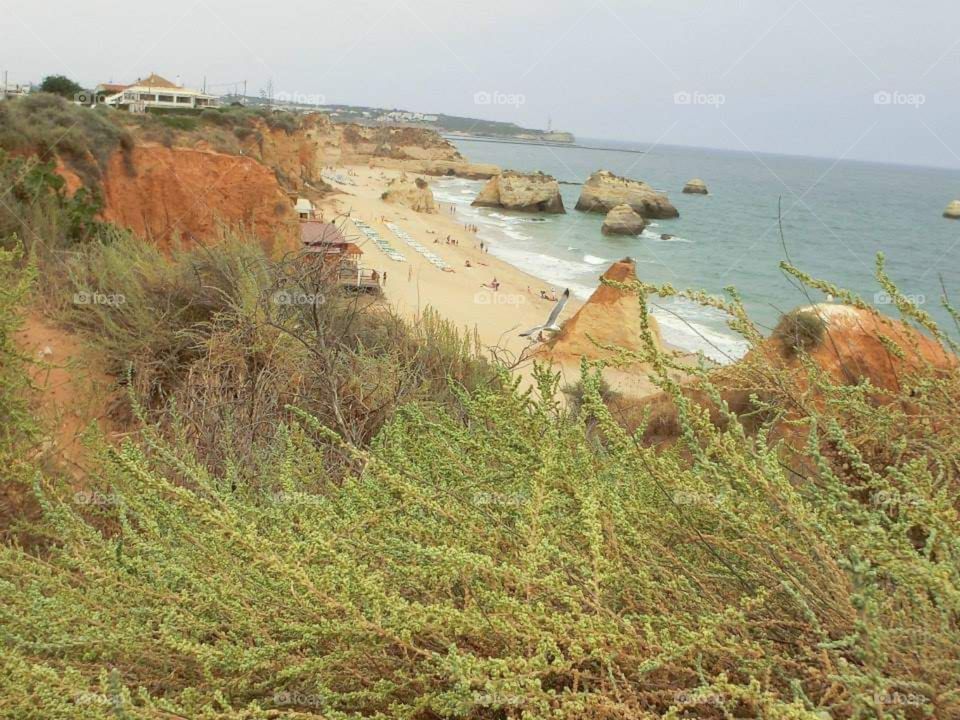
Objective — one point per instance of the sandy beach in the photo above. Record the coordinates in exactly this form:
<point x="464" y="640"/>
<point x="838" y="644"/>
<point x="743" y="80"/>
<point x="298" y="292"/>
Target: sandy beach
<point x="460" y="296"/>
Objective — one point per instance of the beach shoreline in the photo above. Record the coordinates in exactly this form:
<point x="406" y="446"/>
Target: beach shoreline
<point x="462" y="295"/>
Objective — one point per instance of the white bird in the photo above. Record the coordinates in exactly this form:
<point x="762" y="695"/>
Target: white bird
<point x="551" y="324"/>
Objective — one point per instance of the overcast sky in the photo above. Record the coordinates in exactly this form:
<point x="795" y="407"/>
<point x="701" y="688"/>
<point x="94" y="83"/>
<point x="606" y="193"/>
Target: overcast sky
<point x="865" y="79"/>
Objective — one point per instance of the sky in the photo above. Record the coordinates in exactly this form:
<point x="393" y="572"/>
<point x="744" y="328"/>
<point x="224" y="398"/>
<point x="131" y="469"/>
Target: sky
<point x="871" y="80"/>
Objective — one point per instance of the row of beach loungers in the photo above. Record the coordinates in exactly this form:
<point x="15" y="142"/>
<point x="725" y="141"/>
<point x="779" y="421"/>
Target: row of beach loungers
<point x="338" y="178"/>
<point x="374" y="236"/>
<point x="431" y="256"/>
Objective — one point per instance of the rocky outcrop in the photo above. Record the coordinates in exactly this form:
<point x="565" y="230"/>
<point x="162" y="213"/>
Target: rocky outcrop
<point x="603" y="191"/>
<point x="527" y="192"/>
<point x="610" y="316"/>
<point x="850" y="345"/>
<point x="953" y="210"/>
<point x="846" y="342"/>
<point x="622" y="220"/>
<point x="459" y="168"/>
<point x="159" y="192"/>
<point x="695" y="187"/>
<point x="415" y="195"/>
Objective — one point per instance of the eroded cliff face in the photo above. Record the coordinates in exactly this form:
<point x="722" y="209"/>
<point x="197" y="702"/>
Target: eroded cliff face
<point x="300" y="156"/>
<point x="160" y="192"/>
<point x="188" y="188"/>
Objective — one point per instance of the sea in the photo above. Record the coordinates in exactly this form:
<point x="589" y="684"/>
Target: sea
<point x="835" y="215"/>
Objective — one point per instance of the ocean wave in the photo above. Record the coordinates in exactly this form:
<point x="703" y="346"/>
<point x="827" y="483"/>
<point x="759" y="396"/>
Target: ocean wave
<point x="594" y="260"/>
<point x="516" y="235"/>
<point x="694" y="327"/>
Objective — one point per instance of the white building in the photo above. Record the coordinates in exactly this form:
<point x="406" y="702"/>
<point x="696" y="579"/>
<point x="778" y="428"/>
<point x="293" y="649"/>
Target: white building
<point x="13" y="90"/>
<point x="404" y="116"/>
<point x="153" y="92"/>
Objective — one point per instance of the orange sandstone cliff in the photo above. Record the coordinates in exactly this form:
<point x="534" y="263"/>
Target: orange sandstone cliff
<point x="852" y="346"/>
<point x="160" y="192"/>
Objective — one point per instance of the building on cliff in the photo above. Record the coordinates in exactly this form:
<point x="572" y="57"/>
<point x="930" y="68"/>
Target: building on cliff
<point x="153" y="93"/>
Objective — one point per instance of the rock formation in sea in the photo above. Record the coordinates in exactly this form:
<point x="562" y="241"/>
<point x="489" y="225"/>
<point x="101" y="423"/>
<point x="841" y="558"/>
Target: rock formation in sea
<point x="953" y="210"/>
<point x="695" y="187"/>
<point x="415" y="195"/>
<point x="603" y="191"/>
<point x="622" y="220"/>
<point x="528" y="192"/>
<point x="610" y="316"/>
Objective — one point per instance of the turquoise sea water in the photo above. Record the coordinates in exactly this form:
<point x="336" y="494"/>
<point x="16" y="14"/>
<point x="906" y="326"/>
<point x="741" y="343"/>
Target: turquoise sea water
<point x="836" y="216"/>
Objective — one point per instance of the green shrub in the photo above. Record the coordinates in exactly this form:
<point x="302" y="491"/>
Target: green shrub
<point x="329" y="513"/>
<point x="51" y="126"/>
<point x="179" y="122"/>
<point x="800" y="331"/>
<point x="60" y="85"/>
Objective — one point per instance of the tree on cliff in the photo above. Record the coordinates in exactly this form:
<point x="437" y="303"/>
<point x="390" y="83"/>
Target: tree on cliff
<point x="60" y="85"/>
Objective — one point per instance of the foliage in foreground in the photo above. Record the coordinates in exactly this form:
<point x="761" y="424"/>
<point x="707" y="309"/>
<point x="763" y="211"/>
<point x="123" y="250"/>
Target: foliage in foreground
<point x="500" y="559"/>
<point x="331" y="515"/>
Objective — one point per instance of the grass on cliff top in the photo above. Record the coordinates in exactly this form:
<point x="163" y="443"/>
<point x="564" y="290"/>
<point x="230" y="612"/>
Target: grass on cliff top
<point x="52" y="127"/>
<point x="326" y="513"/>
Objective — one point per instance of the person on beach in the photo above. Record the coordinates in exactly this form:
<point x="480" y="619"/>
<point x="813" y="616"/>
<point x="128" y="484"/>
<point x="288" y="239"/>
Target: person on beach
<point x="384" y="277"/>
<point x="467" y="264"/>
<point x="481" y="246"/>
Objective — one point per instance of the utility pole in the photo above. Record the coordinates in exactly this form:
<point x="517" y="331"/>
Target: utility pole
<point x="3" y="93"/>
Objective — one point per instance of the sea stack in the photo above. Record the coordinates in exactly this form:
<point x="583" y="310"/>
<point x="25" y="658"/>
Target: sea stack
<point x="526" y="192"/>
<point x="603" y="191"/>
<point x="695" y="187"/>
<point x="610" y="316"/>
<point x="953" y="210"/>
<point x="415" y="195"/>
<point x="622" y="220"/>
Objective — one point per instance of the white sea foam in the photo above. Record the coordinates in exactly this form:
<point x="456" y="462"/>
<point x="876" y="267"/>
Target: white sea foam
<point x="683" y="324"/>
<point x="655" y="237"/>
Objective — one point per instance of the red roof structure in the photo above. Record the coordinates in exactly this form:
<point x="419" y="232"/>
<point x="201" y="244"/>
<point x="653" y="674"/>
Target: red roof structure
<point x="315" y="232"/>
